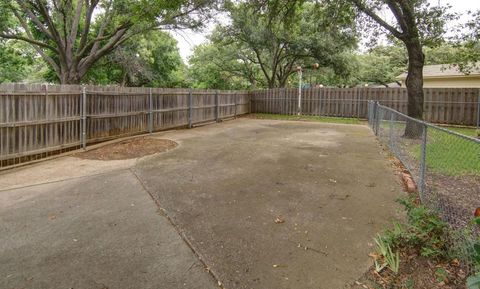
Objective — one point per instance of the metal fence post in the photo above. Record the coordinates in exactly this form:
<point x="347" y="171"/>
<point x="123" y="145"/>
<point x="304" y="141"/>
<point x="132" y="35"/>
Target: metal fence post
<point x="423" y="162"/>
<point x="376" y="118"/>
<point x="150" y="111"/>
<point x="190" y="108"/>
<point x="478" y="114"/>
<point x="84" y="118"/>
<point x="299" y="108"/>
<point x="216" y="105"/>
<point x="391" y="130"/>
<point x="235" y="105"/>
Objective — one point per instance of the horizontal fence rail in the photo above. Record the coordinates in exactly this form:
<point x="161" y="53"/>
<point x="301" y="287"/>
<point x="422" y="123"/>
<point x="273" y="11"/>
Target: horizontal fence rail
<point x="37" y="121"/>
<point x="458" y="106"/>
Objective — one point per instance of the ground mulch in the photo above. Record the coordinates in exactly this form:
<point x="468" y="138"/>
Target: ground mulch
<point x="129" y="149"/>
<point x="415" y="272"/>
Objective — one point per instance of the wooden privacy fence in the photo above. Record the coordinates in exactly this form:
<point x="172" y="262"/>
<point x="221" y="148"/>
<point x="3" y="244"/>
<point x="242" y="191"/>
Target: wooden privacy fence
<point x="459" y="106"/>
<point x="40" y="120"/>
<point x="37" y="121"/>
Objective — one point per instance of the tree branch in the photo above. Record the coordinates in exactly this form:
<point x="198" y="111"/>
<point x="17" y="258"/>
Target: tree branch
<point x="362" y="7"/>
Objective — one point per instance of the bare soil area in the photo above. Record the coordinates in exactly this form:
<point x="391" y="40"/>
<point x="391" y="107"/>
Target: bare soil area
<point x="415" y="272"/>
<point x="129" y="149"/>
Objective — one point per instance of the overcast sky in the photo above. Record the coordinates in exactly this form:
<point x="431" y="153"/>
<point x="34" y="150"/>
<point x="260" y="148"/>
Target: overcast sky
<point x="187" y="40"/>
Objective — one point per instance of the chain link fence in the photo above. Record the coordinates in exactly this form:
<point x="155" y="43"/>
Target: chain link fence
<point x="445" y="166"/>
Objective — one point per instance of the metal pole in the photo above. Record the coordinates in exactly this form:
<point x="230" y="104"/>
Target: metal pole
<point x="423" y="162"/>
<point x="391" y="130"/>
<point x="216" y="105"/>
<point x="377" y="118"/>
<point x="478" y="115"/>
<point x="190" y="108"/>
<point x="84" y="118"/>
<point x="235" y="104"/>
<point x="299" y="107"/>
<point x="150" y="111"/>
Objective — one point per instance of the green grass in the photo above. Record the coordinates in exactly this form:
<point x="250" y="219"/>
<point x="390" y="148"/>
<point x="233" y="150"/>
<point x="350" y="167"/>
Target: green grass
<point x="342" y="120"/>
<point x="468" y="131"/>
<point x="451" y="155"/>
<point x="446" y="153"/>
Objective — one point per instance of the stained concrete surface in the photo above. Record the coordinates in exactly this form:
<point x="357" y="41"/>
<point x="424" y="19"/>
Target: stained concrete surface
<point x="94" y="232"/>
<point x="222" y="188"/>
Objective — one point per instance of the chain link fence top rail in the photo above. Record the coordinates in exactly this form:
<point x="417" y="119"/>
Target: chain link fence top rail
<point x="444" y="164"/>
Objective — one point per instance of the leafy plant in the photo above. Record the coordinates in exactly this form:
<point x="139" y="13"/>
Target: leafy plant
<point x="410" y="284"/>
<point x="441" y="275"/>
<point x="424" y="230"/>
<point x="392" y="260"/>
<point x="473" y="282"/>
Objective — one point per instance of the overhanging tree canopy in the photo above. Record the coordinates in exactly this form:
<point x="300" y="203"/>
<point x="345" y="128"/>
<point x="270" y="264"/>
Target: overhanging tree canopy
<point x="71" y="35"/>
<point x="415" y="23"/>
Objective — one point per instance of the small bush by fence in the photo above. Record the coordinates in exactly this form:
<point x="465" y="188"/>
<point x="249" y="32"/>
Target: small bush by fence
<point x="37" y="121"/>
<point x="459" y="106"/>
<point x="444" y="164"/>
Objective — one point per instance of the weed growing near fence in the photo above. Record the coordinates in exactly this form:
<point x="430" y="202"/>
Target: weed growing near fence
<point x="418" y="253"/>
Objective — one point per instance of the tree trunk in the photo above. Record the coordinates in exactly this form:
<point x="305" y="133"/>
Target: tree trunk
<point x="414" y="83"/>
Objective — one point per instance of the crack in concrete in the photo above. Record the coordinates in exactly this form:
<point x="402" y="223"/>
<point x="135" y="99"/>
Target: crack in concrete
<point x="177" y="229"/>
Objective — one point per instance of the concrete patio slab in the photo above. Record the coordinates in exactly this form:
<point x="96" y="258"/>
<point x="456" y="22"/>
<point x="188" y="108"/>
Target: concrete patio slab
<point x="101" y="231"/>
<point x="262" y="204"/>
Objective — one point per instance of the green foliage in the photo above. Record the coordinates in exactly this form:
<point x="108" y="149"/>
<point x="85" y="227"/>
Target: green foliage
<point x="266" y="40"/>
<point x="473" y="282"/>
<point x="392" y="260"/>
<point x="441" y="275"/>
<point x="150" y="59"/>
<point x="15" y="62"/>
<point x="72" y="36"/>
<point x="423" y="231"/>
<point x="215" y="65"/>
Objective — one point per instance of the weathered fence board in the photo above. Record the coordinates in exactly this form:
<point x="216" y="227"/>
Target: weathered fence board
<point x="458" y="106"/>
<point x="37" y="121"/>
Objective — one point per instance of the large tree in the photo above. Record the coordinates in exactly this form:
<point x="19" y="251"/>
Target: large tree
<point x="72" y="35"/>
<point x="415" y="23"/>
<point x="277" y="36"/>
<point x="220" y="65"/>
<point x="150" y="59"/>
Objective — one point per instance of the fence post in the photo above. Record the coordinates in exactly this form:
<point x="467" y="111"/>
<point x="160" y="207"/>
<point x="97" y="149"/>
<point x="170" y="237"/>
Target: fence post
<point x="391" y="130"/>
<point x="235" y="104"/>
<point x="216" y="105"/>
<point x="423" y="162"/>
<point x="478" y="115"/>
<point x="150" y="111"/>
<point x="299" y="108"/>
<point x="190" y="108"/>
<point x="84" y="118"/>
<point x="375" y="118"/>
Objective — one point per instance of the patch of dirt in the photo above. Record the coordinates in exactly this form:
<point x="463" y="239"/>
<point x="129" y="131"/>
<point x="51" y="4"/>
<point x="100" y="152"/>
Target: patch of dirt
<point x="128" y="149"/>
<point x="457" y="198"/>
<point x="415" y="272"/>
